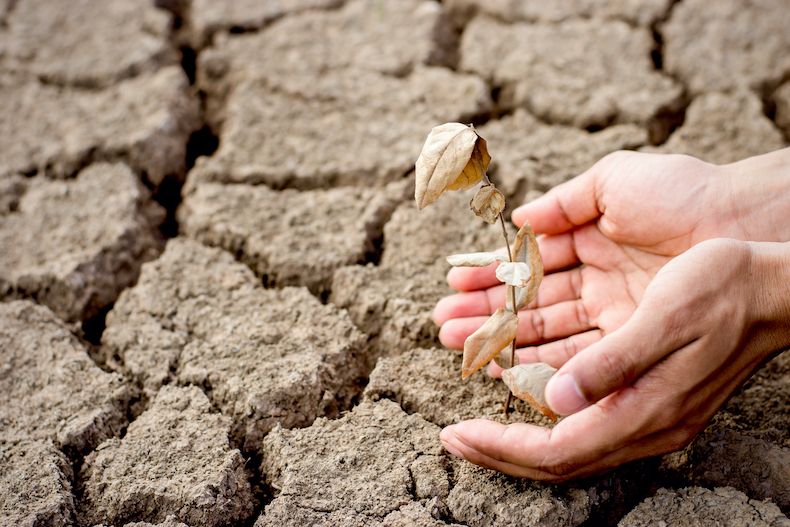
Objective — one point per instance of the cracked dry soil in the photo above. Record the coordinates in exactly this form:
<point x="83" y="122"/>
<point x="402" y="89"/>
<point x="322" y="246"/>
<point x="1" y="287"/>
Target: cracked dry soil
<point x="217" y="292"/>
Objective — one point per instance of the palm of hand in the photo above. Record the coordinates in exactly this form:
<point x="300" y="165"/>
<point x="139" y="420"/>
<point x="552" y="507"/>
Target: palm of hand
<point x="640" y="222"/>
<point x="574" y="307"/>
<point x="605" y="290"/>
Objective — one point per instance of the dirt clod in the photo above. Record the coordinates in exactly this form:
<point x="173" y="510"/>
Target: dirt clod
<point x="702" y="507"/>
<point x="265" y="356"/>
<point x="175" y="459"/>
<point x="50" y="389"/>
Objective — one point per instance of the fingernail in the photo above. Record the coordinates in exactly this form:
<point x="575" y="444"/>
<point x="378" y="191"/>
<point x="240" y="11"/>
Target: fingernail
<point x="564" y="396"/>
<point x="451" y="449"/>
<point x="446" y="435"/>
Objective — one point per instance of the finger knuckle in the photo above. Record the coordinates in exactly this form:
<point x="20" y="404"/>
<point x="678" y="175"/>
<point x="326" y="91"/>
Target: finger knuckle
<point x="615" y="369"/>
<point x="538" y="325"/>
<point x="581" y="315"/>
<point x="557" y="469"/>
<point x="576" y="281"/>
<point x="570" y="348"/>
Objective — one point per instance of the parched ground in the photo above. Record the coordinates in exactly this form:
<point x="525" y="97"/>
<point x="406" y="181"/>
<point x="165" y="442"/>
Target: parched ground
<point x="216" y="288"/>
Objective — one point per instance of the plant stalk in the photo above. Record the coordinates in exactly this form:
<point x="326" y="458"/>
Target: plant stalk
<point x="512" y="292"/>
<point x="510" y="288"/>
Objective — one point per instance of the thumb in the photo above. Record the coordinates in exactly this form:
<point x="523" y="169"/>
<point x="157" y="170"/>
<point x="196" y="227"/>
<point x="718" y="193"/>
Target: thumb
<point x="568" y="205"/>
<point x="614" y="362"/>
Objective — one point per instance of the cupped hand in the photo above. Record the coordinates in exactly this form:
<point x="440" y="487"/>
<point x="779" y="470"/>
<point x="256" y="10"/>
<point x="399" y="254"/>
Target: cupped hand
<point x="703" y="325"/>
<point x="623" y="220"/>
<point x="644" y="360"/>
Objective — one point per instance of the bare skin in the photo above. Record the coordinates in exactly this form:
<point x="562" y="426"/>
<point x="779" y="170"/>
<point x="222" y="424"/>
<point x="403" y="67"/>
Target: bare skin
<point x="668" y="284"/>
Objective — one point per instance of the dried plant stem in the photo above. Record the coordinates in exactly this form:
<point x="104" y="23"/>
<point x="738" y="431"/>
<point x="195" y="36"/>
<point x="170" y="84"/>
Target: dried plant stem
<point x="513" y="296"/>
<point x="507" y="241"/>
<point x="515" y="311"/>
<point x="510" y="287"/>
<point x="507" y="401"/>
<point x="512" y="362"/>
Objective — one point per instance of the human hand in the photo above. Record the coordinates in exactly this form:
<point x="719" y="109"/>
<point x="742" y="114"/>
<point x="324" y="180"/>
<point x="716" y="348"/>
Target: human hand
<point x="621" y="253"/>
<point x="648" y="208"/>
<point x="623" y="219"/>
<point x="708" y="319"/>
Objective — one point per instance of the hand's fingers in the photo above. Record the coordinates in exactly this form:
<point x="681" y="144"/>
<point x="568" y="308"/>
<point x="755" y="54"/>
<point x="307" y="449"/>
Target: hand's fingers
<point x="523" y="450"/>
<point x="474" y="278"/>
<point x="553" y="322"/>
<point x="690" y="400"/>
<point x="568" y="205"/>
<point x="534" y="325"/>
<point x="616" y="360"/>
<point x="454" y="332"/>
<point x="555" y="288"/>
<point x="559" y="287"/>
<point x="654" y="445"/>
<point x="557" y="353"/>
<point x="471" y="304"/>
<point x="680" y="306"/>
<point x="475" y="452"/>
<point x="660" y="443"/>
<point x="557" y="252"/>
<point x="579" y="445"/>
<point x="481" y="442"/>
<point x="660" y="412"/>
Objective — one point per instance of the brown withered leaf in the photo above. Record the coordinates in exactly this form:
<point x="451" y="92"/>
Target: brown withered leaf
<point x="525" y="249"/>
<point x="447" y="162"/>
<point x="488" y="203"/>
<point x="485" y="343"/>
<point x="475" y="259"/>
<point x="528" y="383"/>
<point x="474" y="170"/>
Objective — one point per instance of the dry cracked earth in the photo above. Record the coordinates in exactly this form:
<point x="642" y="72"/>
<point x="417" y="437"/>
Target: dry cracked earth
<point x="216" y="288"/>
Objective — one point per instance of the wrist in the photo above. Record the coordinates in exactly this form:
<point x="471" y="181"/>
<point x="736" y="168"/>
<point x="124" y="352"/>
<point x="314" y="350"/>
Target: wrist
<point x="759" y="196"/>
<point x="770" y="277"/>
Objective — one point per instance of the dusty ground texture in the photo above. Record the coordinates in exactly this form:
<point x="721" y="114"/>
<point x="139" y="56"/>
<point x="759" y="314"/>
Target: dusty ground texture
<point x="703" y="507"/>
<point x="216" y="290"/>
<point x="174" y="459"/>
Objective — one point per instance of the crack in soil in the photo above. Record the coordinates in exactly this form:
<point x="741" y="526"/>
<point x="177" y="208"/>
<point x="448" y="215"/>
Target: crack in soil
<point x="669" y="119"/>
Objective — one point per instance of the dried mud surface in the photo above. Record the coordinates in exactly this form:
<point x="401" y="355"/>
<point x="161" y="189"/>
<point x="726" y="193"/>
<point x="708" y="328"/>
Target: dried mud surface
<point x="216" y="290"/>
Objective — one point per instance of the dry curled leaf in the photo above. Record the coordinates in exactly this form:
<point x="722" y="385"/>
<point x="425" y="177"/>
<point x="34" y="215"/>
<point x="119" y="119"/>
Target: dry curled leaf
<point x="475" y="259"/>
<point x="516" y="274"/>
<point x="488" y="203"/>
<point x="454" y="157"/>
<point x="525" y="249"/>
<point x="485" y="343"/>
<point x="476" y="168"/>
<point x="528" y="383"/>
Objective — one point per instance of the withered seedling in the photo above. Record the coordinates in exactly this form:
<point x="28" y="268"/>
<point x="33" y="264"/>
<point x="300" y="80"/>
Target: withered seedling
<point x="454" y="157"/>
